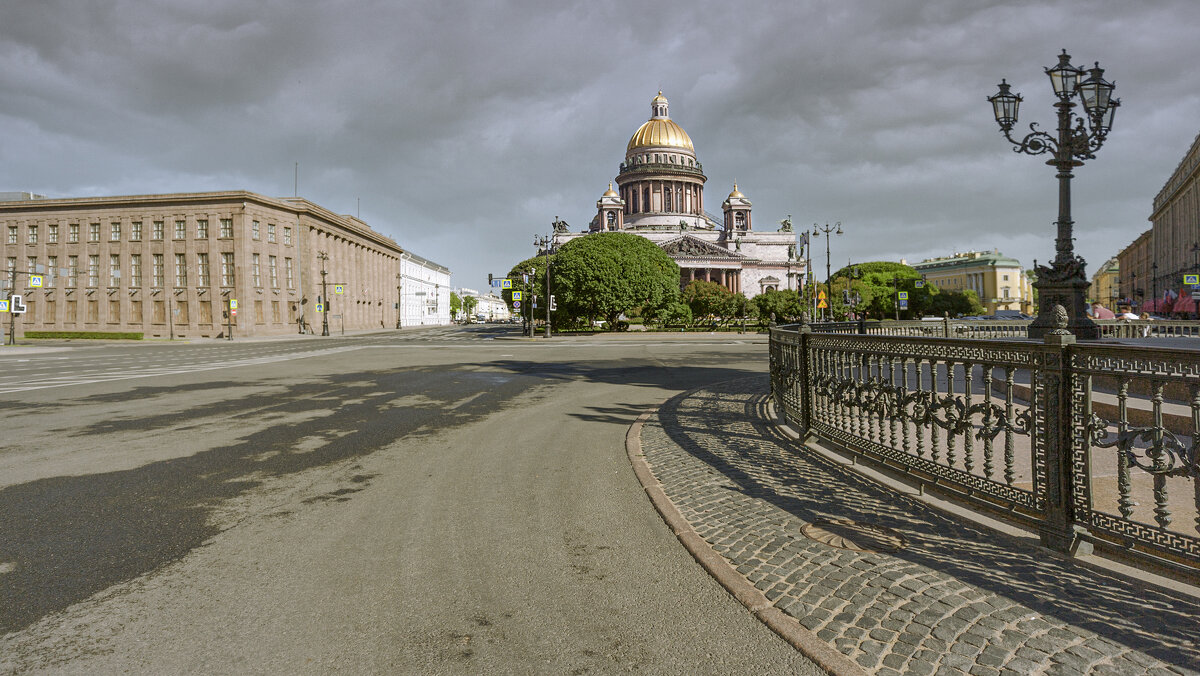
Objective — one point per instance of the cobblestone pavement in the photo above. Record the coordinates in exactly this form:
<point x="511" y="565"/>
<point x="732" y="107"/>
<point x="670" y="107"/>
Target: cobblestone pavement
<point x="935" y="595"/>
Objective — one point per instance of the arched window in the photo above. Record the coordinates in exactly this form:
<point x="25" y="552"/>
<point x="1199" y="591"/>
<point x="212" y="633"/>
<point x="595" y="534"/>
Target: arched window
<point x="739" y="220"/>
<point x="633" y="201"/>
<point x="666" y="198"/>
<point x="646" y="200"/>
<point x="612" y="220"/>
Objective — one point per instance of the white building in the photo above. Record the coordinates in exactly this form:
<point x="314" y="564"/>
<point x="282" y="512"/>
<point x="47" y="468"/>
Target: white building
<point x="491" y="307"/>
<point x="424" y="292"/>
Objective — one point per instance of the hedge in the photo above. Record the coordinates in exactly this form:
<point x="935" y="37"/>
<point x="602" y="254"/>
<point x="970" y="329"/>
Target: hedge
<point x="107" y="335"/>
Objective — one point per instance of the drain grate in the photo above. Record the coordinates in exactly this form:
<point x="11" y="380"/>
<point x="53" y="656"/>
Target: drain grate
<point x="854" y="535"/>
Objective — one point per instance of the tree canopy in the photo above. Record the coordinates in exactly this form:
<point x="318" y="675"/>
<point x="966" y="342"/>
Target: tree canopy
<point x="604" y="274"/>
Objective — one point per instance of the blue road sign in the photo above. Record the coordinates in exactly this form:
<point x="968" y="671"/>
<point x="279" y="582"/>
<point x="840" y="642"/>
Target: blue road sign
<point x="903" y="305"/>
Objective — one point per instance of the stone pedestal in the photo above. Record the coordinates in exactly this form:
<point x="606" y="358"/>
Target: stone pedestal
<point x="1072" y="295"/>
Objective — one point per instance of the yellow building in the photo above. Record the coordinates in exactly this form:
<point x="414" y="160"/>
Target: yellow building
<point x="1105" y="286"/>
<point x="998" y="280"/>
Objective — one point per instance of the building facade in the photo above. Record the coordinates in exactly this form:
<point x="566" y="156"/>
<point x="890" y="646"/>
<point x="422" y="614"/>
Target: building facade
<point x="999" y="281"/>
<point x="1175" y="242"/>
<point x="200" y="265"/>
<point x="1105" y="286"/>
<point x="659" y="195"/>
<point x="1136" y="272"/>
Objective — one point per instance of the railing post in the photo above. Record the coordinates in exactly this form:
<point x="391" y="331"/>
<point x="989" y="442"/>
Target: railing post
<point x="946" y="324"/>
<point x="1058" y="530"/>
<point x="806" y="402"/>
<point x="862" y="325"/>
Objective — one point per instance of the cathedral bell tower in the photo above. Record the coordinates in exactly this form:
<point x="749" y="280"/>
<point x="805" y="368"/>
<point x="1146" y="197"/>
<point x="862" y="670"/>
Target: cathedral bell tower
<point x="610" y="212"/>
<point x="737" y="213"/>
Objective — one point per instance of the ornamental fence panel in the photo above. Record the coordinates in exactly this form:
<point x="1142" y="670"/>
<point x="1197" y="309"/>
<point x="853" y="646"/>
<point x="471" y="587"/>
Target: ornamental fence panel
<point x="1006" y="328"/>
<point x="1091" y="445"/>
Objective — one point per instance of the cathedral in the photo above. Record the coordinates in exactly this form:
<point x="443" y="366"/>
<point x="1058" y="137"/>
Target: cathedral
<point x="659" y="195"/>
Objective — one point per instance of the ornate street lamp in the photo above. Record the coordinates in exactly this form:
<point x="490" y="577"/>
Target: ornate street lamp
<point x="816" y="231"/>
<point x="1063" y="282"/>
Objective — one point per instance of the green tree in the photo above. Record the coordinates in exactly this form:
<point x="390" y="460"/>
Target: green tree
<point x="673" y="314"/>
<point x="536" y="286"/>
<point x="605" y="274"/>
<point x="708" y="300"/>
<point x="786" y="305"/>
<point x="877" y="283"/>
<point x="469" y="304"/>
<point x="455" y="304"/>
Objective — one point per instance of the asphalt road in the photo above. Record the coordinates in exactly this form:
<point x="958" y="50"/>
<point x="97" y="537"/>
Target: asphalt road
<point x="441" y="501"/>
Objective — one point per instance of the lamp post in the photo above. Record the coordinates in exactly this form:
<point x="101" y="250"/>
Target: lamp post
<point x="828" y="229"/>
<point x="322" y="256"/>
<point x="399" y="299"/>
<point x="1154" y="283"/>
<point x="543" y="243"/>
<point x="1063" y="282"/>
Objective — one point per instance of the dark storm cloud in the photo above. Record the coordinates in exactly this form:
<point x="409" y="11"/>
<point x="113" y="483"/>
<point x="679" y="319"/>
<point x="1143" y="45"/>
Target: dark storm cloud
<point x="465" y="127"/>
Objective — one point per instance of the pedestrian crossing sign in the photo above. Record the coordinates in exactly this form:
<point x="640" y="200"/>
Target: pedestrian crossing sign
<point x="232" y="303"/>
<point x="903" y="295"/>
<point x="339" y="289"/>
<point x="320" y="307"/>
<point x="35" y="281"/>
<point x="1194" y="280"/>
<point x="506" y="284"/>
<point x="3" y="306"/>
<point x="517" y="295"/>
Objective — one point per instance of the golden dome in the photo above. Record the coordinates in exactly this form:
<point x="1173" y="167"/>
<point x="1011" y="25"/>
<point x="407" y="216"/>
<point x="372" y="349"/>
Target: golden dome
<point x="736" y="194"/>
<point x="610" y="192"/>
<point x="661" y="132"/>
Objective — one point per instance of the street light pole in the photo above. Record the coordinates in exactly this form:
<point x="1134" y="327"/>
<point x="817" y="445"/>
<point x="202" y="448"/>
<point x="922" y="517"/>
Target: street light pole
<point x="1063" y="282"/>
<point x="817" y="233"/>
<point x="544" y="243"/>
<point x="1154" y="282"/>
<point x="322" y="256"/>
<point x="399" y="298"/>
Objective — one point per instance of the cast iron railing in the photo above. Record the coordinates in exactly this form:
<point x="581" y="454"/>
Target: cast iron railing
<point x="1006" y="328"/>
<point x="1091" y="444"/>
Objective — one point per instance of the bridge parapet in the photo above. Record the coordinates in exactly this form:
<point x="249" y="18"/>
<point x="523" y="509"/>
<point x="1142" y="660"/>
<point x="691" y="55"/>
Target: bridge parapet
<point x="1091" y="444"/>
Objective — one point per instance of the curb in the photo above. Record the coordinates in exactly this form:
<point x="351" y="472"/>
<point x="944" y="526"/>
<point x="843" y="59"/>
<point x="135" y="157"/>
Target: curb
<point x="786" y="626"/>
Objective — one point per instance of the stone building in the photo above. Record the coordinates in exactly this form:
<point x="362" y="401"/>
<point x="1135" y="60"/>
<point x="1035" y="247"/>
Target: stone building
<point x="1105" y="286"/>
<point x="998" y="280"/>
<point x="1136" y="274"/>
<point x="660" y="196"/>
<point x="166" y="265"/>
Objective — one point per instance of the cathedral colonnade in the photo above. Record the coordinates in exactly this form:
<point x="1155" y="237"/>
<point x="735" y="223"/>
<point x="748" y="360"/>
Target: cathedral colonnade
<point x="729" y="278"/>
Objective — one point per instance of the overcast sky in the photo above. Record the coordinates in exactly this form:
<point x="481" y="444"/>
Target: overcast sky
<point x="462" y="129"/>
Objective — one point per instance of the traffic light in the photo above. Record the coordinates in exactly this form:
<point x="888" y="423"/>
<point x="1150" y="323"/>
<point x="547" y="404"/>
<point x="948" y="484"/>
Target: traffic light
<point x="489" y="279"/>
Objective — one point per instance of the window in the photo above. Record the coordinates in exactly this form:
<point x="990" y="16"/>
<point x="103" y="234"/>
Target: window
<point x="12" y="234"/>
<point x="71" y="312"/>
<point x="93" y="311"/>
<point x="31" y="264"/>
<point x="115" y="234"/>
<point x="273" y="271"/>
<point x="135" y="231"/>
<point x="202" y="229"/>
<point x="157" y="232"/>
<point x="205" y="312"/>
<point x="73" y="232"/>
<point x="72" y="275"/>
<point x="33" y="234"/>
<point x="180" y="269"/>
<point x="275" y="311"/>
<point x="135" y="312"/>
<point x="254" y="230"/>
<point x="259" y="318"/>
<point x="1006" y="278"/>
<point x="181" y="312"/>
<point x="93" y="232"/>
<point x="93" y="270"/>
<point x="287" y="235"/>
<point x="227" y="227"/>
<point x="202" y="268"/>
<point x="51" y="269"/>
<point x="254" y="267"/>
<point x="287" y="267"/>
<point x="227" y="269"/>
<point x="158" y="270"/>
<point x="114" y="270"/>
<point x="271" y="232"/>
<point x="180" y="229"/>
<point x="135" y="269"/>
<point x="52" y="235"/>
